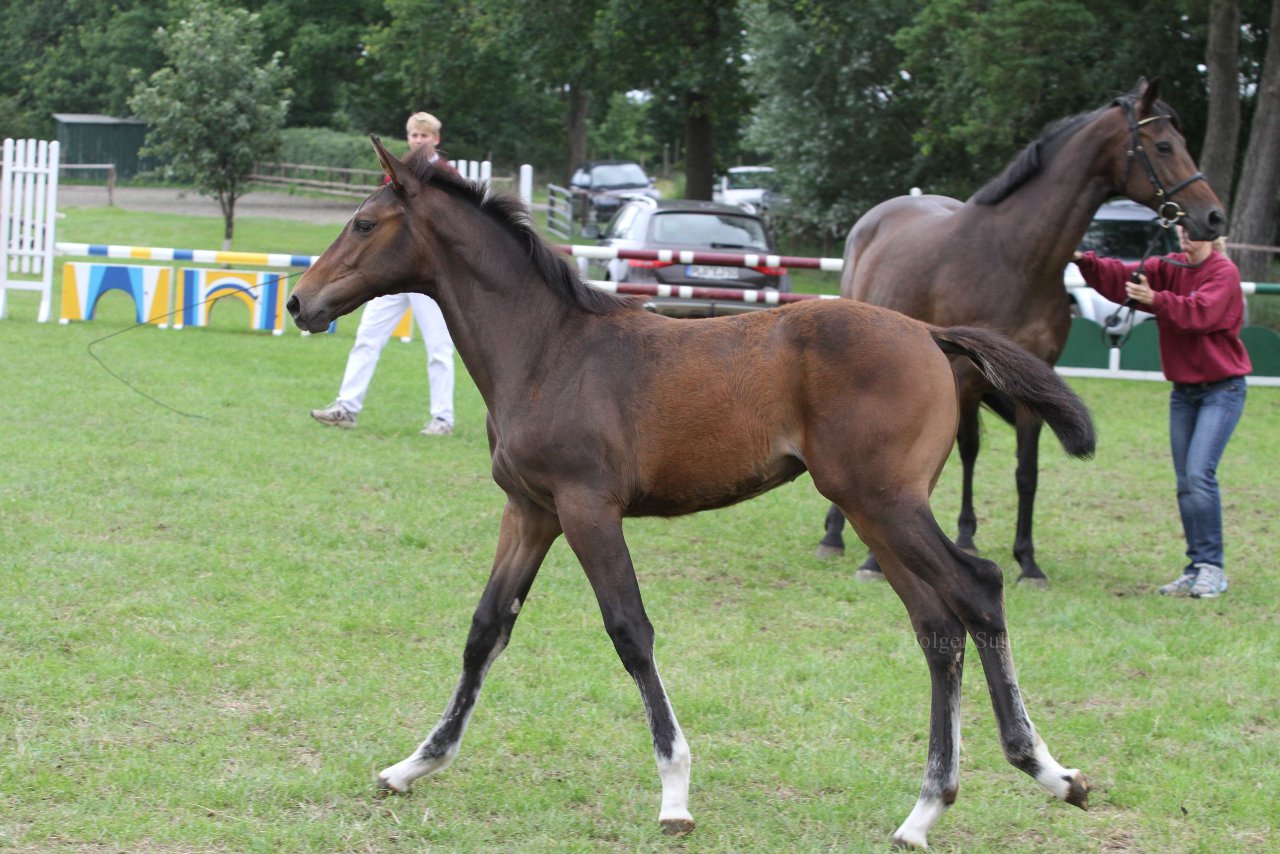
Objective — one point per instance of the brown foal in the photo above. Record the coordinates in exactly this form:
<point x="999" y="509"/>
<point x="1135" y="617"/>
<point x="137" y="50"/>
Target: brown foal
<point x="598" y="410"/>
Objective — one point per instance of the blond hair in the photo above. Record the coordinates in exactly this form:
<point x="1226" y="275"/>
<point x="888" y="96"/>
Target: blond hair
<point x="1220" y="243"/>
<point x="424" y="121"/>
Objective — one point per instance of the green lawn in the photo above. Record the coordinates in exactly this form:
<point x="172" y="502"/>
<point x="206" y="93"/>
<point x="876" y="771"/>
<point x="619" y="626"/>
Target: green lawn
<point x="216" y="627"/>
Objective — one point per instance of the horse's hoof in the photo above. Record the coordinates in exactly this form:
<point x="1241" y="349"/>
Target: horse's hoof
<point x="677" y="826"/>
<point x="386" y="789"/>
<point x="1037" y="581"/>
<point x="825" y="551"/>
<point x="1078" y="794"/>
<point x="864" y="574"/>
<point x="904" y="842"/>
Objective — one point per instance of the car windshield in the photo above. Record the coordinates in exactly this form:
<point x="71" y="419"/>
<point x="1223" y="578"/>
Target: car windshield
<point x="752" y="180"/>
<point x="1126" y="239"/>
<point x="721" y="231"/>
<point x="614" y="176"/>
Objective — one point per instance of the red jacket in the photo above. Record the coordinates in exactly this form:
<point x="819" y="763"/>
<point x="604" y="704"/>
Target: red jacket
<point x="1199" y="312"/>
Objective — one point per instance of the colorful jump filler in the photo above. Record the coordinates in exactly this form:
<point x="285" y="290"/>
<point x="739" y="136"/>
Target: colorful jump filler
<point x="84" y="284"/>
<point x="263" y="292"/>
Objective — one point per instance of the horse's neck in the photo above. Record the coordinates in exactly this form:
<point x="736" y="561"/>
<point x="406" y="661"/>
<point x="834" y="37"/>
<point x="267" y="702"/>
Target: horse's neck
<point x="504" y="321"/>
<point x="1053" y="209"/>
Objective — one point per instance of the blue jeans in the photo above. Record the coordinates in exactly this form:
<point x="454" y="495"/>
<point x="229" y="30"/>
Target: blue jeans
<point x="1201" y="420"/>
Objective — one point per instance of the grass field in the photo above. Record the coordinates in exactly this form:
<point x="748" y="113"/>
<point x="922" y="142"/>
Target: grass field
<point x="216" y="627"/>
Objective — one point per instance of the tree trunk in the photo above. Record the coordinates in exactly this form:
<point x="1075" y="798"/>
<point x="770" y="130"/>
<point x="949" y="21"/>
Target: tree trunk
<point x="575" y="124"/>
<point x="228" y="204"/>
<point x="1254" y="218"/>
<point x="1218" y="157"/>
<point x="699" y="150"/>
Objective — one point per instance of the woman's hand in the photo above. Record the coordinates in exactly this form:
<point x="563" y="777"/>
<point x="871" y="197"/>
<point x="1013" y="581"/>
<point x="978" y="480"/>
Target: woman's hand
<point x="1140" y="291"/>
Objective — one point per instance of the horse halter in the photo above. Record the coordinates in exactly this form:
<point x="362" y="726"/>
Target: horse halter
<point x="1169" y="211"/>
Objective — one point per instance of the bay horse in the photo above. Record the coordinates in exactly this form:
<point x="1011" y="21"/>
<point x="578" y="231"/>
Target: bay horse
<point x="599" y="410"/>
<point x="996" y="262"/>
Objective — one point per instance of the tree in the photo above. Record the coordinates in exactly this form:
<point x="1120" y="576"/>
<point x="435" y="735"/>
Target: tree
<point x="834" y="115"/>
<point x="212" y="113"/>
<point x="1253" y="221"/>
<point x="1222" y="127"/>
<point x="689" y="55"/>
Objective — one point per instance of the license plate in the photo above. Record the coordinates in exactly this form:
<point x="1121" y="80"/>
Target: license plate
<point x="696" y="271"/>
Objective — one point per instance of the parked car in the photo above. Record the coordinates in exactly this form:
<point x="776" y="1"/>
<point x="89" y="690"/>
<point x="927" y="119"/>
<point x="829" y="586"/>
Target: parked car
<point x="751" y="187"/>
<point x="599" y="187"/>
<point x="681" y="224"/>
<point x="1120" y="229"/>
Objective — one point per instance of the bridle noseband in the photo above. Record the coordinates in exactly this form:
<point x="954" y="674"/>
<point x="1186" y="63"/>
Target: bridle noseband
<point x="1169" y="211"/>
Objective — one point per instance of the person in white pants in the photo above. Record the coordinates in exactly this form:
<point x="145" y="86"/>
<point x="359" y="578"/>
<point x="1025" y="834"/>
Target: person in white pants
<point x="379" y="321"/>
<point x="376" y="325"/>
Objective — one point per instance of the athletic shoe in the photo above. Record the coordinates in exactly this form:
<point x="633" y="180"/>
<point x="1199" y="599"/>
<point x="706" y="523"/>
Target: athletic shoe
<point x="1211" y="581"/>
<point x="335" y="416"/>
<point x="437" y="427"/>
<point x="1180" y="586"/>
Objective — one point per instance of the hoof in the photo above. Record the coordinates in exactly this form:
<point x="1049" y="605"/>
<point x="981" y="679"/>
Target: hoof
<point x="904" y="842"/>
<point x="868" y="575"/>
<point x="677" y="826"/>
<point x="1078" y="795"/>
<point x="386" y="789"/>
<point x="1037" y="581"/>
<point x="826" y="552"/>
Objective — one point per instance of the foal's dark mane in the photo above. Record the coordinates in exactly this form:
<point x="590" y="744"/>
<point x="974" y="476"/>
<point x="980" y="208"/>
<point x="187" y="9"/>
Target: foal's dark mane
<point x="1029" y="161"/>
<point x="510" y="214"/>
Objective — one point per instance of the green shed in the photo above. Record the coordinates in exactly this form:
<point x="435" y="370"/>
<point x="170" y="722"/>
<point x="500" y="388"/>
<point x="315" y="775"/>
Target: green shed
<point x="85" y="138"/>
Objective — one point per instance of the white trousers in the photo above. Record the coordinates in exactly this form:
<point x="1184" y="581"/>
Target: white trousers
<point x="376" y="325"/>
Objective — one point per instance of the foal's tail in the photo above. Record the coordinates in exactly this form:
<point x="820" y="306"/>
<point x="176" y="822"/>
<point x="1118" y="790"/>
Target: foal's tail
<point x="1028" y="380"/>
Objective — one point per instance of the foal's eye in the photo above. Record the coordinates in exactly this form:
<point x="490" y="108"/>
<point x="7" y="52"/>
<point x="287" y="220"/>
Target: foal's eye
<point x="1164" y="147"/>
<point x="364" y="226"/>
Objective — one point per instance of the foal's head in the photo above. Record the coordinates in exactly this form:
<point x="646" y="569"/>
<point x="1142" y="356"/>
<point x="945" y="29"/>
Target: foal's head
<point x="383" y="248"/>
<point x="403" y="235"/>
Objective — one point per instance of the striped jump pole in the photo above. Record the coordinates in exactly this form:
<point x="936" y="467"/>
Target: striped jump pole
<point x="198" y="256"/>
<point x="764" y="296"/>
<point x="724" y="259"/>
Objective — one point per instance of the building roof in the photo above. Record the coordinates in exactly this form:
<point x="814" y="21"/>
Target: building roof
<point x="93" y="119"/>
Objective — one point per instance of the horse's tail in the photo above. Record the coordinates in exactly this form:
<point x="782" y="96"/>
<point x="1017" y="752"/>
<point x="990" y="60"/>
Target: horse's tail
<point x="1028" y="380"/>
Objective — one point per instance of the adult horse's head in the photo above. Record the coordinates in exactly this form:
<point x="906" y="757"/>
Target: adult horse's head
<point x="380" y="251"/>
<point x="1158" y="171"/>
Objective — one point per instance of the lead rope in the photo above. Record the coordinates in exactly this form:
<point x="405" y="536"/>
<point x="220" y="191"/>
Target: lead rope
<point x="1115" y="318"/>
<point x="89" y="349"/>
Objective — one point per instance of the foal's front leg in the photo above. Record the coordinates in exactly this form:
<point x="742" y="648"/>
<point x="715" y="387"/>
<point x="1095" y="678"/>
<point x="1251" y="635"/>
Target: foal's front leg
<point x="594" y="533"/>
<point x="527" y="533"/>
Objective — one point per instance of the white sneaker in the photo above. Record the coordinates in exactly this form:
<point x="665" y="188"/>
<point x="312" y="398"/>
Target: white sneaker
<point x="335" y="416"/>
<point x="437" y="427"/>
<point x="1211" y="581"/>
<point x="1180" y="586"/>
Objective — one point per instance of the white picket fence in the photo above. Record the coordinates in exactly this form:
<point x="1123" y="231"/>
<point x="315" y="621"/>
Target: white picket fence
<point x="28" y="209"/>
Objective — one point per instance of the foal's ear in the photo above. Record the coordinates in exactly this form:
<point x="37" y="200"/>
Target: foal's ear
<point x="394" y="168"/>
<point x="1148" y="93"/>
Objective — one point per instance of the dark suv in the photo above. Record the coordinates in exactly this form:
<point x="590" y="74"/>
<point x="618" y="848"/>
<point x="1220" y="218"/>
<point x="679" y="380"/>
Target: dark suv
<point x="599" y="188"/>
<point x="681" y="224"/>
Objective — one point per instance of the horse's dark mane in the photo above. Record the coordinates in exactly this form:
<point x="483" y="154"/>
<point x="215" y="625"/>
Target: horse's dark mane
<point x="1029" y="161"/>
<point x="510" y="213"/>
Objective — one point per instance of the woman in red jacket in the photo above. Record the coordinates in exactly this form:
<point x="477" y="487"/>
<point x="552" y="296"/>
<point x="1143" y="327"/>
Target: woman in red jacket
<point x="1199" y="309"/>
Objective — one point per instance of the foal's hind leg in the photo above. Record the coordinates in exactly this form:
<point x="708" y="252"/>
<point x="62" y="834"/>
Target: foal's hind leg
<point x="594" y="533"/>
<point x="941" y="637"/>
<point x="527" y="533"/>
<point x="972" y="588"/>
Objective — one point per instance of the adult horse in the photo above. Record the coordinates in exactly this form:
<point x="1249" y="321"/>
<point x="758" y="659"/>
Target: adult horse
<point x="996" y="261"/>
<point x="599" y="410"/>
